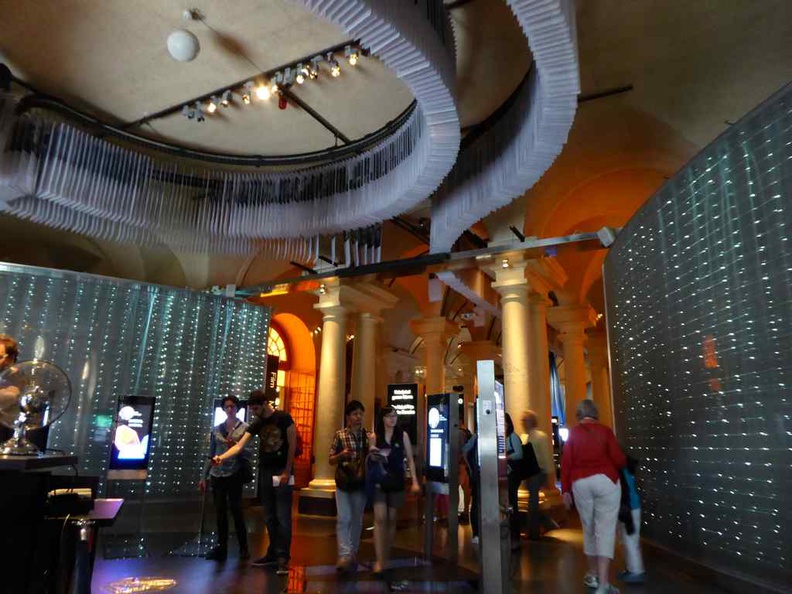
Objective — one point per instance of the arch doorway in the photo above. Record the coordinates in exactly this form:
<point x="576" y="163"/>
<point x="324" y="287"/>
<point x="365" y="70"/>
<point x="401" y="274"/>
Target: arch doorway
<point x="291" y="341"/>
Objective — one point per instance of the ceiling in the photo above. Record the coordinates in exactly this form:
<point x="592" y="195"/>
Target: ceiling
<point x="109" y="58"/>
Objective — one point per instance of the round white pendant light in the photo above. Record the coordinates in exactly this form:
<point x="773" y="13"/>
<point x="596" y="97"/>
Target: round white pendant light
<point x="183" y="45"/>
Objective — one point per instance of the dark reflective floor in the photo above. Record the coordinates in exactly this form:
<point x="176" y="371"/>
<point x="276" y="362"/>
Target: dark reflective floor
<point x="553" y="564"/>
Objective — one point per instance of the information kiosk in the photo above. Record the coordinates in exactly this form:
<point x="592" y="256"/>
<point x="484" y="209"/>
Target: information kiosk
<point x="442" y="468"/>
<point x="494" y="502"/>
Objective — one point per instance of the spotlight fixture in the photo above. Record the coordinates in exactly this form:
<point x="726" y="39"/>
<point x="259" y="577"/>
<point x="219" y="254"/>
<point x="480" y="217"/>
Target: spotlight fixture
<point x="314" y="70"/>
<point x="199" y="116"/>
<point x="288" y="77"/>
<point x="335" y="68"/>
<point x="226" y="100"/>
<point x="505" y="263"/>
<point x="263" y="92"/>
<point x="322" y="289"/>
<point x="188" y="112"/>
<point x="352" y="55"/>
<point x="211" y="107"/>
<point x="302" y="72"/>
<point x="246" y="92"/>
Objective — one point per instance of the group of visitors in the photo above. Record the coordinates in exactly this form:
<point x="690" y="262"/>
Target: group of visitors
<point x="596" y="478"/>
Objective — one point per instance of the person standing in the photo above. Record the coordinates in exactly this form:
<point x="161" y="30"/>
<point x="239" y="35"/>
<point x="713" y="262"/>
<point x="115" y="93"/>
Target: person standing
<point x="277" y="443"/>
<point x="348" y="453"/>
<point x="630" y="527"/>
<point x="543" y="451"/>
<point x="590" y="470"/>
<point x="227" y="481"/>
<point x="394" y="446"/>
<point x="514" y="454"/>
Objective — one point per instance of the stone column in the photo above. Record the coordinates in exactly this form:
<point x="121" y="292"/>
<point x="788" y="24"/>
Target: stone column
<point x="571" y="322"/>
<point x="597" y="347"/>
<point x="513" y="287"/>
<point x="364" y="363"/>
<point x="330" y="393"/>
<point x="539" y="361"/>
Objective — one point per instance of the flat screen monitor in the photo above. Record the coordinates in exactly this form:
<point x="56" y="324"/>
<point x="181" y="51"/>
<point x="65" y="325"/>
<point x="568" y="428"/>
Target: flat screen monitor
<point x="132" y="433"/>
<point x="219" y="414"/>
<point x="437" y="427"/>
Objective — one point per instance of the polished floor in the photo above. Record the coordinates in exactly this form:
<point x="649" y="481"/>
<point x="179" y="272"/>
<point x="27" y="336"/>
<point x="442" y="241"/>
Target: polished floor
<point x="553" y="564"/>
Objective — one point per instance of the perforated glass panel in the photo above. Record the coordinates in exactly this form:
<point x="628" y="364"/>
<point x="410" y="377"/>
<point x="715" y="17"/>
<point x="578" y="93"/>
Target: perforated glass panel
<point x="699" y="302"/>
<point x="114" y="338"/>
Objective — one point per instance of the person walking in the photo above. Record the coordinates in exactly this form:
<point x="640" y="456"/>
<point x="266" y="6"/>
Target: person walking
<point x="543" y="451"/>
<point x="393" y="445"/>
<point x="514" y="454"/>
<point x="277" y="444"/>
<point x="348" y="453"/>
<point x="226" y="480"/>
<point x="630" y="526"/>
<point x="590" y="472"/>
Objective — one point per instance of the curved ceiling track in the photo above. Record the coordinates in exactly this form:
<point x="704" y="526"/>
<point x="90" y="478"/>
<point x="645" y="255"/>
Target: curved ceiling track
<point x="509" y="158"/>
<point x="54" y="173"/>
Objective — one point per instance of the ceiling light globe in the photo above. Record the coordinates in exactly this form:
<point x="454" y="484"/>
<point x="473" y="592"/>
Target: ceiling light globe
<point x="183" y="45"/>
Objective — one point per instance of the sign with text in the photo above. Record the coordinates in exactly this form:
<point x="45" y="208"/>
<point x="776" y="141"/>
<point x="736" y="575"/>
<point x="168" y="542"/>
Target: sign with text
<point x="271" y="385"/>
<point x="404" y="398"/>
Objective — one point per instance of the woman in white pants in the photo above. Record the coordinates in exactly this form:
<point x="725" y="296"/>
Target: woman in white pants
<point x="590" y="471"/>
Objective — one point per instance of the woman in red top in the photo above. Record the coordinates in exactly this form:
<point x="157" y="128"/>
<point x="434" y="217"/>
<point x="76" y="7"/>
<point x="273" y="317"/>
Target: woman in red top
<point x="590" y="471"/>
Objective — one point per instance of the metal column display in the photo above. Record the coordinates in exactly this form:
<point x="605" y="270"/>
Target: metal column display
<point x="442" y="478"/>
<point x="493" y="505"/>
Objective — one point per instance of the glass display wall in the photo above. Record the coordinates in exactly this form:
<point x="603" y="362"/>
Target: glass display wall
<point x="115" y="337"/>
<point x="699" y="305"/>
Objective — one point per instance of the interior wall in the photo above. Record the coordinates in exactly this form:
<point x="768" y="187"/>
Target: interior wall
<point x="698" y="294"/>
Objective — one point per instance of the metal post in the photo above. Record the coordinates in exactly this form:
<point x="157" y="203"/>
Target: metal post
<point x="493" y="492"/>
<point x="453" y="478"/>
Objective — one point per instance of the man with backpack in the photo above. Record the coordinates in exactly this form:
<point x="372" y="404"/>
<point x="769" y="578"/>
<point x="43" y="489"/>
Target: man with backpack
<point x="542" y="449"/>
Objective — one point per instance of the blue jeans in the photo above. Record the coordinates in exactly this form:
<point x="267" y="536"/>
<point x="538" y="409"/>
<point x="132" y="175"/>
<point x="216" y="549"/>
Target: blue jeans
<point x="349" y="522"/>
<point x="276" y="502"/>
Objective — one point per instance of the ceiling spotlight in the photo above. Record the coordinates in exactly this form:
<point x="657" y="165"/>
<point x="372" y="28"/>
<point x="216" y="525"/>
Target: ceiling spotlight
<point x="226" y="100"/>
<point x="212" y="105"/>
<point x="263" y="92"/>
<point x="314" y="70"/>
<point x="188" y="112"/>
<point x="302" y="72"/>
<point x="352" y="55"/>
<point x="246" y="93"/>
<point x="505" y="263"/>
<point x="199" y="116"/>
<point x="335" y="68"/>
<point x="322" y="289"/>
<point x="288" y="77"/>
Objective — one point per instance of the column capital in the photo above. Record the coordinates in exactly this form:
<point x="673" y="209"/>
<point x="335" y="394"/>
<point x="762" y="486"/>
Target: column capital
<point x="597" y="348"/>
<point x="510" y="279"/>
<point x="359" y="297"/>
<point x="571" y="321"/>
<point x="438" y="326"/>
<point x="331" y="310"/>
<point x="480" y="350"/>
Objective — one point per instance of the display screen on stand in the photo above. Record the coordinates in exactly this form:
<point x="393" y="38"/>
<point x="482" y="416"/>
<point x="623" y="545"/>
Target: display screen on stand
<point x="219" y="414"/>
<point x="500" y="417"/>
<point x="132" y="434"/>
<point x="437" y="427"/>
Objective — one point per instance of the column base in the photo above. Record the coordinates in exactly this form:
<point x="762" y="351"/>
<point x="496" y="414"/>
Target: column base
<point x="318" y="499"/>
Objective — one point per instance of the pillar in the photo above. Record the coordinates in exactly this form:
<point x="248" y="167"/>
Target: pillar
<point x="475" y="351"/>
<point x="597" y="347"/>
<point x="571" y="322"/>
<point x="513" y="287"/>
<point x="539" y="361"/>
<point x="330" y="393"/>
<point x="364" y="364"/>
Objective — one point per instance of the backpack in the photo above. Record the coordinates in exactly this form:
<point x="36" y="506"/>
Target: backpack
<point x="528" y="466"/>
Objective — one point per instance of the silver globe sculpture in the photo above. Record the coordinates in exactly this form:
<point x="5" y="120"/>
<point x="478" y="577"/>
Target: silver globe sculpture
<point x="43" y="395"/>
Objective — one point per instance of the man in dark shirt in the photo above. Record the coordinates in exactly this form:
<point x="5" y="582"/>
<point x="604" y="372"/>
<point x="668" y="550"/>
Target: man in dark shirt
<point x="277" y="442"/>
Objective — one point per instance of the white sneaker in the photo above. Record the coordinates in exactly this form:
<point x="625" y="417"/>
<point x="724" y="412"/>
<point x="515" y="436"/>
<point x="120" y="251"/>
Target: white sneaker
<point x="474" y="540"/>
<point x="591" y="581"/>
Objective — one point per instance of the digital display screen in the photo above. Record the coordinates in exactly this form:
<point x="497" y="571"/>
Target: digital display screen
<point x="500" y="419"/>
<point x="131" y="436"/>
<point x="219" y="414"/>
<point x="437" y="427"/>
<point x="404" y="398"/>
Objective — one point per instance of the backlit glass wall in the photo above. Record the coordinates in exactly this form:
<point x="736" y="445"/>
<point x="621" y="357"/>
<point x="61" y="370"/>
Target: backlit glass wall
<point x="699" y="304"/>
<point x="115" y="337"/>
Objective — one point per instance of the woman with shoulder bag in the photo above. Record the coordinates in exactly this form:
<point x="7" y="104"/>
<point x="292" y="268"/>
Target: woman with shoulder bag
<point x="227" y="480"/>
<point x="348" y="455"/>
<point x="392" y="445"/>
<point x="514" y="454"/>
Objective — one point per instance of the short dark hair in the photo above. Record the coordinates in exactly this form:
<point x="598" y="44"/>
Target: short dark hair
<point x="230" y="397"/>
<point x="257" y="398"/>
<point x="352" y="406"/>
<point x="11" y="346"/>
